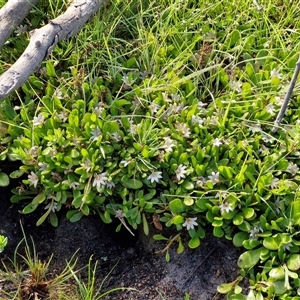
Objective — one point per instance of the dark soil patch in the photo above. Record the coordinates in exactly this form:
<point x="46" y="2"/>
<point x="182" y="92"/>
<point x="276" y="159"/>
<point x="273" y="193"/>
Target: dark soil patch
<point x="132" y="259"/>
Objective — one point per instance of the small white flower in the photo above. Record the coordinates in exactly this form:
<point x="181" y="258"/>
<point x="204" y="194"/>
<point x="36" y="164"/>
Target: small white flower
<point x="201" y="181"/>
<point x="245" y="143"/>
<point x="200" y="104"/>
<point x="33" y="151"/>
<point x="119" y="214"/>
<point x="74" y="185"/>
<point x="174" y="109"/>
<point x="98" y="109"/>
<point x="198" y="120"/>
<point x="63" y="116"/>
<point x="279" y="100"/>
<point x="128" y="80"/>
<point x="155" y="176"/>
<point x="214" y="177"/>
<point x="217" y="142"/>
<point x="270" y="108"/>
<point x="254" y="128"/>
<point x="277" y="204"/>
<point x="292" y="169"/>
<point x="53" y="152"/>
<point x="190" y="223"/>
<point x="58" y="94"/>
<point x="95" y="134"/>
<point x="87" y="165"/>
<point x="154" y="107"/>
<point x="175" y="97"/>
<point x="258" y="7"/>
<point x="226" y="206"/>
<point x="133" y="128"/>
<point x="236" y="86"/>
<point x="275" y="73"/>
<point x="274" y="183"/>
<point x="68" y="169"/>
<point x="287" y="247"/>
<point x="182" y="127"/>
<point x="180" y="172"/>
<point x="267" y="138"/>
<point x="221" y="194"/>
<point x="254" y="232"/>
<point x="21" y="29"/>
<point x="38" y="120"/>
<point x="125" y="163"/>
<point x="168" y="145"/>
<point x="166" y="98"/>
<point x="54" y="206"/>
<point x="100" y="180"/>
<point x="33" y="179"/>
<point x="76" y="141"/>
<point x="43" y="166"/>
<point x="116" y="136"/>
<point x="110" y="184"/>
<point x="213" y="120"/>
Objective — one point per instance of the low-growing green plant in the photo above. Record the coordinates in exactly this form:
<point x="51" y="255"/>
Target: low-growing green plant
<point x="173" y="124"/>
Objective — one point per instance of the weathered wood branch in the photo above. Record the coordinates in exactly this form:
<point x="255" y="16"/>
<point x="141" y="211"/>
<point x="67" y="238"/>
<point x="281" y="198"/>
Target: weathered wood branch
<point x="11" y="15"/>
<point x="44" y="39"/>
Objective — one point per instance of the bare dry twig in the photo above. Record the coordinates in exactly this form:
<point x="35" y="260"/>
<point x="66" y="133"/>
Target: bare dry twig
<point x="44" y="39"/>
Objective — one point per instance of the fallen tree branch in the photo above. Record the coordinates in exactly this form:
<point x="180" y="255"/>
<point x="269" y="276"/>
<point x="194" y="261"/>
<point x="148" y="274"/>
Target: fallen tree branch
<point x="11" y="15"/>
<point x="44" y="39"/>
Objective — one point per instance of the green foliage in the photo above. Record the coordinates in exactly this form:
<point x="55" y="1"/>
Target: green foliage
<point x="88" y="291"/>
<point x="145" y="117"/>
<point x="3" y="242"/>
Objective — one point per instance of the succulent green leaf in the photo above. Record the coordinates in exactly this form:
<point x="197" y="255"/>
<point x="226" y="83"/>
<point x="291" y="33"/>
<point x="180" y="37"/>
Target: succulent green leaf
<point x="238" y="219"/>
<point x="225" y="288"/>
<point x="272" y="242"/>
<point x="178" y="220"/>
<point x="180" y="247"/>
<point x="167" y="257"/>
<point x="277" y="273"/>
<point x="177" y="206"/>
<point x="188" y="201"/>
<point x="194" y="242"/>
<point x="226" y="172"/>
<point x="248" y="212"/>
<point x="145" y="224"/>
<point x="249" y="258"/>
<point x="53" y="219"/>
<point x="188" y="185"/>
<point x="76" y="216"/>
<point x="39" y="198"/>
<point x="293" y="262"/>
<point x="29" y="208"/>
<point x="4" y="179"/>
<point x="239" y="238"/>
<point x="133" y="184"/>
<point x="50" y="68"/>
<point x="16" y="174"/>
<point x="279" y="287"/>
<point x="159" y="237"/>
<point x="218" y="232"/>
